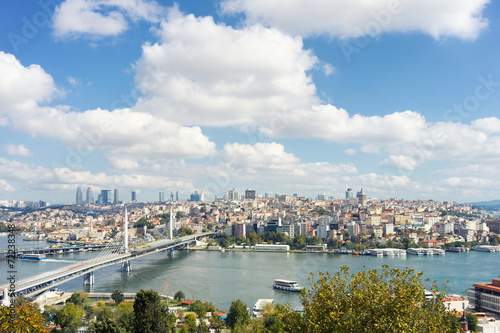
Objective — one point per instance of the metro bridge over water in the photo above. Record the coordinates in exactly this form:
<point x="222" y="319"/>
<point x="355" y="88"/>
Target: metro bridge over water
<point x="114" y="253"/>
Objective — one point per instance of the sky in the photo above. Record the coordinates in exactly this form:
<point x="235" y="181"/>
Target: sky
<point x="308" y="97"/>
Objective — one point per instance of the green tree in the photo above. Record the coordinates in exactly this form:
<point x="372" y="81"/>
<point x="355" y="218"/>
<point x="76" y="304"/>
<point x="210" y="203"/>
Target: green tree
<point x="70" y="317"/>
<point x="191" y="322"/>
<point x="150" y="313"/>
<point x="107" y="326"/>
<point x="179" y="296"/>
<point x="392" y="301"/>
<point x="199" y="308"/>
<point x="202" y="326"/>
<point x="253" y="238"/>
<point x="216" y="323"/>
<point x="78" y="298"/>
<point x="117" y="296"/>
<point x="472" y="322"/>
<point x="26" y="318"/>
<point x="104" y="313"/>
<point x="125" y="315"/>
<point x="185" y="231"/>
<point x="299" y="242"/>
<point x="238" y="314"/>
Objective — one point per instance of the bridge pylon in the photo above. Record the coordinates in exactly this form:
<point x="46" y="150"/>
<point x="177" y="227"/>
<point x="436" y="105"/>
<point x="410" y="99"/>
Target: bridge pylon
<point x="88" y="279"/>
<point x="126" y="266"/>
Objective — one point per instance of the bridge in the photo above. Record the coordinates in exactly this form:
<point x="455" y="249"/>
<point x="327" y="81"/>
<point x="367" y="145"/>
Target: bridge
<point x="115" y="253"/>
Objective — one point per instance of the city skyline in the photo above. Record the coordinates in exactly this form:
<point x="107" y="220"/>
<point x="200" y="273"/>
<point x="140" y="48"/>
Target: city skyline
<point x="396" y="97"/>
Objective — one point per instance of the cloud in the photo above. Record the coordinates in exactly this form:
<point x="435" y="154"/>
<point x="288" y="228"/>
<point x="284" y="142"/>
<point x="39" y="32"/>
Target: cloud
<point x="400" y="162"/>
<point x="333" y="124"/>
<point x="101" y="18"/>
<point x="38" y="178"/>
<point x="16" y="78"/>
<point x="268" y="165"/>
<point x="258" y="156"/>
<point x="5" y="186"/>
<point x="17" y="150"/>
<point x="204" y="73"/>
<point x="358" y="18"/>
<point x="122" y="133"/>
<point x="350" y="151"/>
<point x="73" y="81"/>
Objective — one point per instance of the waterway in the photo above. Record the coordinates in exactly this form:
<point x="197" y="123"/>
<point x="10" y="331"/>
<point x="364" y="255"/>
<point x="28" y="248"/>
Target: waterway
<point x="224" y="277"/>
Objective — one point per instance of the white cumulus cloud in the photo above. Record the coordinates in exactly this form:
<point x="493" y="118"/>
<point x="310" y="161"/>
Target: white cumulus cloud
<point x="17" y="150"/>
<point x="356" y="18"/>
<point x="206" y="73"/>
<point x="99" y="18"/>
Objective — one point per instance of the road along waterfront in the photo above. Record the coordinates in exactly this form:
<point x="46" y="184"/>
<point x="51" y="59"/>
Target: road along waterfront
<point x="223" y="277"/>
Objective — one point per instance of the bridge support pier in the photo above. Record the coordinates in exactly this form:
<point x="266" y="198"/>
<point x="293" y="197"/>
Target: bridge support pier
<point x="126" y="266"/>
<point x="88" y="279"/>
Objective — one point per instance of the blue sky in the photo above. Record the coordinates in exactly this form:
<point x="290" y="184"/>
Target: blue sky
<point x="307" y="97"/>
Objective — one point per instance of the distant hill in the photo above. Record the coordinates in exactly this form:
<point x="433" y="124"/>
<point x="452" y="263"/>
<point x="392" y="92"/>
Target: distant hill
<point x="487" y="205"/>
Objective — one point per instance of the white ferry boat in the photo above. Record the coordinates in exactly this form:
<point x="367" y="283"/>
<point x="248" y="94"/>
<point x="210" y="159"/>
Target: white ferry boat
<point x="259" y="307"/>
<point x="287" y="285"/>
<point x="32" y="256"/>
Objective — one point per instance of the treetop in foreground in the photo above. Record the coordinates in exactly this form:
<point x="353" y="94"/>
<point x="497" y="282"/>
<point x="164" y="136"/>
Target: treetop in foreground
<point x="390" y="301"/>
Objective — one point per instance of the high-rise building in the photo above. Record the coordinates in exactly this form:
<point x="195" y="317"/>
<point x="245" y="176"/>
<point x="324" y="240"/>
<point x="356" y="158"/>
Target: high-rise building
<point x="250" y="194"/>
<point x="349" y="194"/>
<point x="116" y="199"/>
<point x="195" y="196"/>
<point x="171" y="196"/>
<point x="89" y="198"/>
<point x="106" y="197"/>
<point x="79" y="196"/>
<point x="233" y="194"/>
<point x="161" y="196"/>
<point x="134" y="196"/>
<point x="99" y="199"/>
<point x="177" y="196"/>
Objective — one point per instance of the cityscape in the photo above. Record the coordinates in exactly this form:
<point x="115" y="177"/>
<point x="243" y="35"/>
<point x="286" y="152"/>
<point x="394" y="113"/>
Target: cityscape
<point x="235" y="166"/>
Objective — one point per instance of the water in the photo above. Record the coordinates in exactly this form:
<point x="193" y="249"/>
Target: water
<point x="224" y="277"/>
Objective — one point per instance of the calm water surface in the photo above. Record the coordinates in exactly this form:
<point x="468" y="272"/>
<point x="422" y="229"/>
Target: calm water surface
<point x="223" y="277"/>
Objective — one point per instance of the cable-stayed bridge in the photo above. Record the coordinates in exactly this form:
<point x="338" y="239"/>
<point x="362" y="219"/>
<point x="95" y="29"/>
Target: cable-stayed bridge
<point x="116" y="252"/>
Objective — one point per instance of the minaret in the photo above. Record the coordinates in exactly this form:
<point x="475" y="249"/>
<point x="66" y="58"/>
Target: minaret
<point x="171" y="225"/>
<point x="125" y="232"/>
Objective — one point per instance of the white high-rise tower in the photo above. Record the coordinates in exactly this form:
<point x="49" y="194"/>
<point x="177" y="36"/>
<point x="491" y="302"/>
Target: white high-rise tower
<point x="171" y="225"/>
<point x="125" y="231"/>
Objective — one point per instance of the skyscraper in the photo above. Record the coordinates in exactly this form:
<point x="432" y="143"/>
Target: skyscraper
<point x="161" y="196"/>
<point x="116" y="199"/>
<point x="349" y="193"/>
<point x="79" y="196"/>
<point x="134" y="196"/>
<point x="106" y="197"/>
<point x="90" y="198"/>
<point x="177" y="196"/>
<point x="195" y="196"/>
<point x="250" y="194"/>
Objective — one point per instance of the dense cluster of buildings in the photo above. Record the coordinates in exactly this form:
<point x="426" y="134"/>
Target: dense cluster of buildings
<point x="428" y="223"/>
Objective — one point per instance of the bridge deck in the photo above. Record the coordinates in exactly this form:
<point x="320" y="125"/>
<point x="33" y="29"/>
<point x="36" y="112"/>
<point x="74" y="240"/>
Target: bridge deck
<point x="44" y="281"/>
